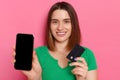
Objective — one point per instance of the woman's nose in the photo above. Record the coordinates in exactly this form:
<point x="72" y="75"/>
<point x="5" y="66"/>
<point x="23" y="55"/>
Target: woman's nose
<point x="60" y="26"/>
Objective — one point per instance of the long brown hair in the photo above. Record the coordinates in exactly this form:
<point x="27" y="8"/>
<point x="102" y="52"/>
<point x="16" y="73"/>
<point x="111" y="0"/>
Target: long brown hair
<point x="75" y="34"/>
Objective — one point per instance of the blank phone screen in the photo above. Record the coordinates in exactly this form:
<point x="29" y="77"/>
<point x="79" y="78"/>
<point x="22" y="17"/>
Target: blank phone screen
<point x="24" y="50"/>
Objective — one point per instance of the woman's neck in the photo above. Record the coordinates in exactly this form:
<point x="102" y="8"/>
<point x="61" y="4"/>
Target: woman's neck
<point x="60" y="46"/>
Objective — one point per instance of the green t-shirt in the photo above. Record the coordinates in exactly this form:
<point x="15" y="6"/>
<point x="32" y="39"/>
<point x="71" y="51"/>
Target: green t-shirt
<point x="51" y="69"/>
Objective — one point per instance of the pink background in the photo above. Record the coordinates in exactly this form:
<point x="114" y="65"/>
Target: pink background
<point x="99" y="22"/>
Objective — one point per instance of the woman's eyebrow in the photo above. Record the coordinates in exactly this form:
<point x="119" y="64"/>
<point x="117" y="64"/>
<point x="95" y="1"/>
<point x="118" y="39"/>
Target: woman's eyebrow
<point x="54" y="19"/>
<point x="63" y="19"/>
<point x="67" y="19"/>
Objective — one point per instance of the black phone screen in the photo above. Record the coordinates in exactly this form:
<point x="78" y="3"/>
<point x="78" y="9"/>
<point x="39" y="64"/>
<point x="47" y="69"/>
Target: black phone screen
<point x="24" y="50"/>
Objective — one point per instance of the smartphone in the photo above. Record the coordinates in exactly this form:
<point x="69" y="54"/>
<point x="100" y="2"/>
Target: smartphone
<point x="24" y="50"/>
<point x="75" y="52"/>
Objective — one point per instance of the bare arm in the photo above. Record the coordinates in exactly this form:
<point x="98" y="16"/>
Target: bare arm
<point x="92" y="75"/>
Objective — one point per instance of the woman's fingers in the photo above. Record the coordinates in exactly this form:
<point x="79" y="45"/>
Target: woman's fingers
<point x="34" y="56"/>
<point x="13" y="61"/>
<point x="79" y="62"/>
<point x="13" y="47"/>
<point x="80" y="59"/>
<point x="13" y="55"/>
<point x="81" y="67"/>
<point x="79" y="71"/>
<point x="35" y="64"/>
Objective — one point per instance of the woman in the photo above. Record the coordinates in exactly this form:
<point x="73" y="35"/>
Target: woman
<point x="63" y="33"/>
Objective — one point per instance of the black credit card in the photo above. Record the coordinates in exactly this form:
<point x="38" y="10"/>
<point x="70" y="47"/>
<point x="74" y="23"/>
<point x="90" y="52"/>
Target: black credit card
<point x="75" y="52"/>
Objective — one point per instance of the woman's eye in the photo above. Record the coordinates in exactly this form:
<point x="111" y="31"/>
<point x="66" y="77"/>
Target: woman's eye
<point x="54" y="22"/>
<point x="67" y="21"/>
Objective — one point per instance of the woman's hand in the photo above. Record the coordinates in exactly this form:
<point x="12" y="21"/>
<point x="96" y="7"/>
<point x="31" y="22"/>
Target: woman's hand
<point x="80" y="69"/>
<point x="35" y="72"/>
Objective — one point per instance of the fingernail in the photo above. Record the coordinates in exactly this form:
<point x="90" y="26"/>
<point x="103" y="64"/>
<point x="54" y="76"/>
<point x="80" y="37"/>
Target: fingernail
<point x="70" y="64"/>
<point x="75" y="59"/>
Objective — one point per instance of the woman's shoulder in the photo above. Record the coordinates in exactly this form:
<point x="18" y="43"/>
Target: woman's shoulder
<point x="88" y="54"/>
<point x="41" y="48"/>
<point x="87" y="50"/>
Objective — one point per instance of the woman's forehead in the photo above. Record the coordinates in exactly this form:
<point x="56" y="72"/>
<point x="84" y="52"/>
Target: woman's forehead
<point x="60" y="14"/>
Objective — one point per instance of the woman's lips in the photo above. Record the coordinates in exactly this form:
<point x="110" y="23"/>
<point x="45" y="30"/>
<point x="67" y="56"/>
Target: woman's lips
<point x="61" y="34"/>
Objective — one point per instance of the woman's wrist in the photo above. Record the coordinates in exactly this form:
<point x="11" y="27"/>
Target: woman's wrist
<point x="81" y="78"/>
<point x="39" y="78"/>
<point x="35" y="79"/>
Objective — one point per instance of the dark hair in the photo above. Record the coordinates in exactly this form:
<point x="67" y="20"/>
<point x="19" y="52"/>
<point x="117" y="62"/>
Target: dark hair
<point x="75" y="34"/>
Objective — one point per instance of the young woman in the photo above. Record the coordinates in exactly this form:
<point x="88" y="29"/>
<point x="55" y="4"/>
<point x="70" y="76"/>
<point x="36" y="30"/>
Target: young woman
<point x="63" y="33"/>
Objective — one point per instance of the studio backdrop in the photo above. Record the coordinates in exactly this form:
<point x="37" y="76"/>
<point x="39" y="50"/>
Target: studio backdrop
<point x="99" y="22"/>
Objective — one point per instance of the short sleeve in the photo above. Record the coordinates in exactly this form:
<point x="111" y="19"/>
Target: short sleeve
<point x="41" y="55"/>
<point x="90" y="59"/>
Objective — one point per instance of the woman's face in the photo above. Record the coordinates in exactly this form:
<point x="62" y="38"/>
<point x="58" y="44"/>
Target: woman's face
<point x="60" y="25"/>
